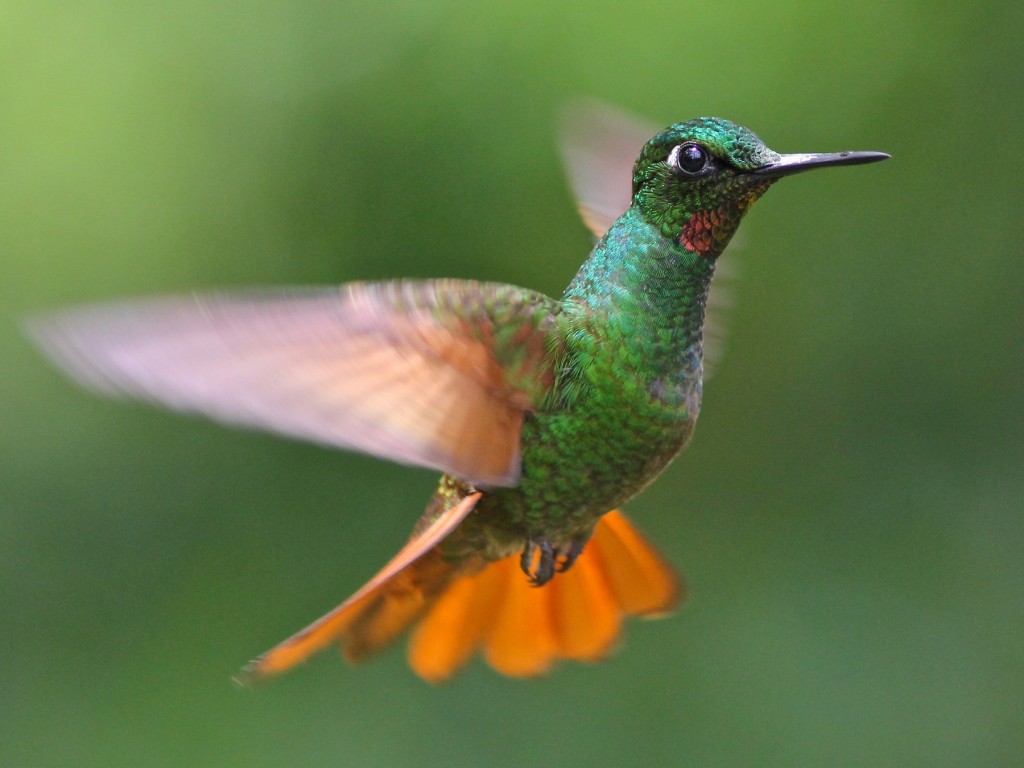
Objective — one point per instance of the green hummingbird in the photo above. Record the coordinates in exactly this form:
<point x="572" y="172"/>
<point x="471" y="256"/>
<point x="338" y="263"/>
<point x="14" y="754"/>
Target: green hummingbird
<point x="545" y="415"/>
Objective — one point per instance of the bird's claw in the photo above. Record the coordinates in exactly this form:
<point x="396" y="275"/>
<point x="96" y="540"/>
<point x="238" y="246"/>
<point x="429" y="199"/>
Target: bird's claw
<point x="552" y="559"/>
<point x="567" y="557"/>
<point x="545" y="569"/>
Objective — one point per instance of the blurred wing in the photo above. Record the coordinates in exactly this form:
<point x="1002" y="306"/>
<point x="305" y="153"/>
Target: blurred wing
<point x="716" y="315"/>
<point x="436" y="374"/>
<point x="599" y="146"/>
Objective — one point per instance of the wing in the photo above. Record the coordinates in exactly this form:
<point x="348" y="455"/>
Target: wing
<point x="436" y="374"/>
<point x="599" y="146"/>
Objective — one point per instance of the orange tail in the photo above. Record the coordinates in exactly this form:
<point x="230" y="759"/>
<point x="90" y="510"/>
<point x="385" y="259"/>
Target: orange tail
<point x="521" y="630"/>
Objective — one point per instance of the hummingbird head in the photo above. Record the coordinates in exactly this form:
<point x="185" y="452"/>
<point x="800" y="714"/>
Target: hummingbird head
<point x="696" y="179"/>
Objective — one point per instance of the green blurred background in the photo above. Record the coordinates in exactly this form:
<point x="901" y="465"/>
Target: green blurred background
<point x="849" y="515"/>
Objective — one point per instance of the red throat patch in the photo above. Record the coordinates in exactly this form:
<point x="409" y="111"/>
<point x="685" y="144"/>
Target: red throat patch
<point x="698" y="234"/>
<point x="707" y="232"/>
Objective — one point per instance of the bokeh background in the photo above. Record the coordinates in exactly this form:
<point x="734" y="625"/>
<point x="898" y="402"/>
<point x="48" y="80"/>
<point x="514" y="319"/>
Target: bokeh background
<point x="850" y="515"/>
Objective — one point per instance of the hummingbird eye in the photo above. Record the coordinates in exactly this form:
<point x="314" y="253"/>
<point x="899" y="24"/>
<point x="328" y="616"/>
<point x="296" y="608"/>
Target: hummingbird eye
<point x="689" y="158"/>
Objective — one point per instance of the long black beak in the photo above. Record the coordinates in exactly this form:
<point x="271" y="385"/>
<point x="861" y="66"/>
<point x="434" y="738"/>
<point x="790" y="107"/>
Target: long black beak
<point x="787" y="165"/>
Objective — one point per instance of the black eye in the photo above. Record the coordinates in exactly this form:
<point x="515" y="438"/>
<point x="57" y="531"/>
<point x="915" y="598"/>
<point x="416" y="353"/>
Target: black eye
<point x="690" y="158"/>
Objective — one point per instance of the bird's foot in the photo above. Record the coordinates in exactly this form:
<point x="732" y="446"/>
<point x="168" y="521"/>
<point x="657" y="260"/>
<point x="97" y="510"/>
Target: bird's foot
<point x="552" y="559"/>
<point x="566" y="557"/>
<point x="545" y="569"/>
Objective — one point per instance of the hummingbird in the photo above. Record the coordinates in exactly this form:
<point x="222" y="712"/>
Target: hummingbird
<point x="544" y="415"/>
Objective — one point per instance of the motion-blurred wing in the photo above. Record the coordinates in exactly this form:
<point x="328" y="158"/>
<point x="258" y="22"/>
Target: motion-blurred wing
<point x="436" y="374"/>
<point x="599" y="146"/>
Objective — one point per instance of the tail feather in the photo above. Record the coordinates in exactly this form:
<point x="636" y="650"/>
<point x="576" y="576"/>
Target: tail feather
<point x="451" y="631"/>
<point x="587" y="617"/>
<point x="522" y="630"/>
<point x="398" y="604"/>
<point x="642" y="583"/>
<point x="520" y="639"/>
<point x="381" y="609"/>
<point x="459" y="609"/>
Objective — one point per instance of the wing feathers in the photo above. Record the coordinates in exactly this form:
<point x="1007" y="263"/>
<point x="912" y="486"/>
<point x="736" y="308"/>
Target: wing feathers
<point x="599" y="146"/>
<point x="407" y="371"/>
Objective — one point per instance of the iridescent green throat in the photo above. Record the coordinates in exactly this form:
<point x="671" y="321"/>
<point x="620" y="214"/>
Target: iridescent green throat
<point x="648" y="293"/>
